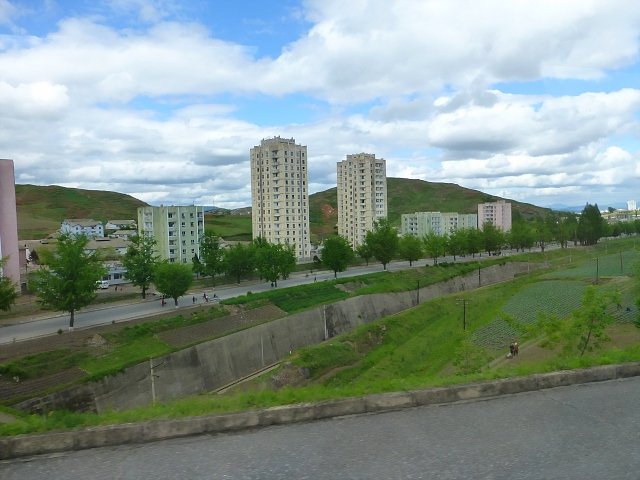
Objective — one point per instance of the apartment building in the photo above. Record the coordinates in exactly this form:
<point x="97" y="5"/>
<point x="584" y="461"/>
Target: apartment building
<point x="362" y="195"/>
<point x="279" y="194"/>
<point x="420" y="224"/>
<point x="9" y="223"/>
<point x="176" y="229"/>
<point x="497" y="213"/>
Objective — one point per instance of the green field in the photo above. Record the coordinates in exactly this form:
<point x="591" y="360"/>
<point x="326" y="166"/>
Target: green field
<point x="229" y="227"/>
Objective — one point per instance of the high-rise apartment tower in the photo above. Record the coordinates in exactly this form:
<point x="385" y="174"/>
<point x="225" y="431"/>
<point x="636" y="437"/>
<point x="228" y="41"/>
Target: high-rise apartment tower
<point x="362" y="195"/>
<point x="279" y="194"/>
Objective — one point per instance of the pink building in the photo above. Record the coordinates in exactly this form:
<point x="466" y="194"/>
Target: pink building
<point x="9" y="222"/>
<point x="497" y="213"/>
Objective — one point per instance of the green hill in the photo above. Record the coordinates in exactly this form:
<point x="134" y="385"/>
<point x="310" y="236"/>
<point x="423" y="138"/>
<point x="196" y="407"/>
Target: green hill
<point x="41" y="209"/>
<point x="409" y="196"/>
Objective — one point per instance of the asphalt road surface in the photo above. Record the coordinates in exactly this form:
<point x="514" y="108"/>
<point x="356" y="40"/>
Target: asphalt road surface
<point x="580" y="432"/>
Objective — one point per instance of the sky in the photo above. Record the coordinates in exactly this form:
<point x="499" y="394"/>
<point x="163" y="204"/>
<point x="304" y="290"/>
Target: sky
<point x="532" y="100"/>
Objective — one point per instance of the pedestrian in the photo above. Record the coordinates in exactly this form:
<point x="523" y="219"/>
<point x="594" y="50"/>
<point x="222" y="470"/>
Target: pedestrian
<point x="194" y="299"/>
<point x="315" y="279"/>
<point x="512" y="349"/>
<point x="163" y="302"/>
<point x="515" y="349"/>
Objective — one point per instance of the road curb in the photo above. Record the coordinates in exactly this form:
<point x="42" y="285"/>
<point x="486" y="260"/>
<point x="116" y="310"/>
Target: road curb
<point x="36" y="444"/>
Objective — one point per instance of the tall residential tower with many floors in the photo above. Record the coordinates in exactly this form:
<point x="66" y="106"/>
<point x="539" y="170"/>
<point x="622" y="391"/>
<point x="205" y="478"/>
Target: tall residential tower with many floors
<point x="362" y="195"/>
<point x="279" y="194"/>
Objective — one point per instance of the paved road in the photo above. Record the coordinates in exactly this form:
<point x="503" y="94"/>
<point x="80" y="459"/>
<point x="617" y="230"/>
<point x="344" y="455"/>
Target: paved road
<point x="580" y="432"/>
<point x="101" y="316"/>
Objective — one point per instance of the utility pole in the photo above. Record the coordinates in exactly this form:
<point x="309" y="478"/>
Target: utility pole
<point x="464" y="312"/>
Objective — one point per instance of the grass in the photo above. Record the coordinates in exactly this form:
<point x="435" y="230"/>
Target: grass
<point x="42" y="364"/>
<point x="229" y="227"/>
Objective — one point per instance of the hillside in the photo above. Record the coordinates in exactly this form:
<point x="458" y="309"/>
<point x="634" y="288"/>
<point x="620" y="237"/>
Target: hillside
<point x="41" y="209"/>
<point x="409" y="196"/>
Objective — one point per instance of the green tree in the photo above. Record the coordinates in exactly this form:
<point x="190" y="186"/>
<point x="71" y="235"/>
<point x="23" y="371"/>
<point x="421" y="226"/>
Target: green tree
<point x="591" y="225"/>
<point x="435" y="246"/>
<point x="456" y="243"/>
<point x="383" y="241"/>
<point x="336" y="254"/>
<point x="473" y="241"/>
<point x="493" y="238"/>
<point x="410" y="248"/>
<point x="67" y="281"/>
<point x="173" y="279"/>
<point x="364" y="252"/>
<point x="585" y="329"/>
<point x="239" y="261"/>
<point x="140" y="260"/>
<point x="211" y="256"/>
<point x="8" y="293"/>
<point x="590" y="321"/>
<point x="275" y="261"/>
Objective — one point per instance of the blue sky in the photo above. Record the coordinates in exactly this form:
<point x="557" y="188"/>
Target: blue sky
<point x="538" y="101"/>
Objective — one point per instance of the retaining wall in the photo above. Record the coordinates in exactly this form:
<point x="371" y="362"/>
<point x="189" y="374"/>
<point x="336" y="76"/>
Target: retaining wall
<point x="216" y="363"/>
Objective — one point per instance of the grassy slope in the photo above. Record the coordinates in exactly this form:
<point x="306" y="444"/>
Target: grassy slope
<point x="41" y="209"/>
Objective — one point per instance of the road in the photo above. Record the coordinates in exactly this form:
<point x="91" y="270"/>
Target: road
<point x="104" y="315"/>
<point x="580" y="432"/>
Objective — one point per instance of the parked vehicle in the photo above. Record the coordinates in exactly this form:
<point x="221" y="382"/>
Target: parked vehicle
<point x="102" y="284"/>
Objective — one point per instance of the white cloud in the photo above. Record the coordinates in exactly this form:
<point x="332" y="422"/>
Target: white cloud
<point x="160" y="110"/>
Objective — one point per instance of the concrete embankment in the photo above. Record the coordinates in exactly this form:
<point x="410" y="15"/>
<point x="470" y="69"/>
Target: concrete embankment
<point x="26" y="445"/>
<point x="211" y="365"/>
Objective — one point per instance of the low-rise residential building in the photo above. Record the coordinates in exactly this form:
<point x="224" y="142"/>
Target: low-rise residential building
<point x="82" y="226"/>
<point x="176" y="229"/>
<point x="124" y="234"/>
<point x="496" y="213"/>
<point x="117" y="246"/>
<point x="420" y="224"/>
<point x="121" y="225"/>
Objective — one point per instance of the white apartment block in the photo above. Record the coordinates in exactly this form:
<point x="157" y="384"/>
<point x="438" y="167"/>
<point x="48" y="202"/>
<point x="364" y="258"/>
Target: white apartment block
<point x="362" y="195"/>
<point x="497" y="213"/>
<point x="81" y="226"/>
<point x="279" y="194"/>
<point x="176" y="229"/>
<point x="420" y="224"/>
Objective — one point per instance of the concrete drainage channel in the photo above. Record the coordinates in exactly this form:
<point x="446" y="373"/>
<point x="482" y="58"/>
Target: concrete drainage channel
<point x="26" y="445"/>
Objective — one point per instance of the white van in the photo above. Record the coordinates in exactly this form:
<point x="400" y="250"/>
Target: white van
<point x="102" y="284"/>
